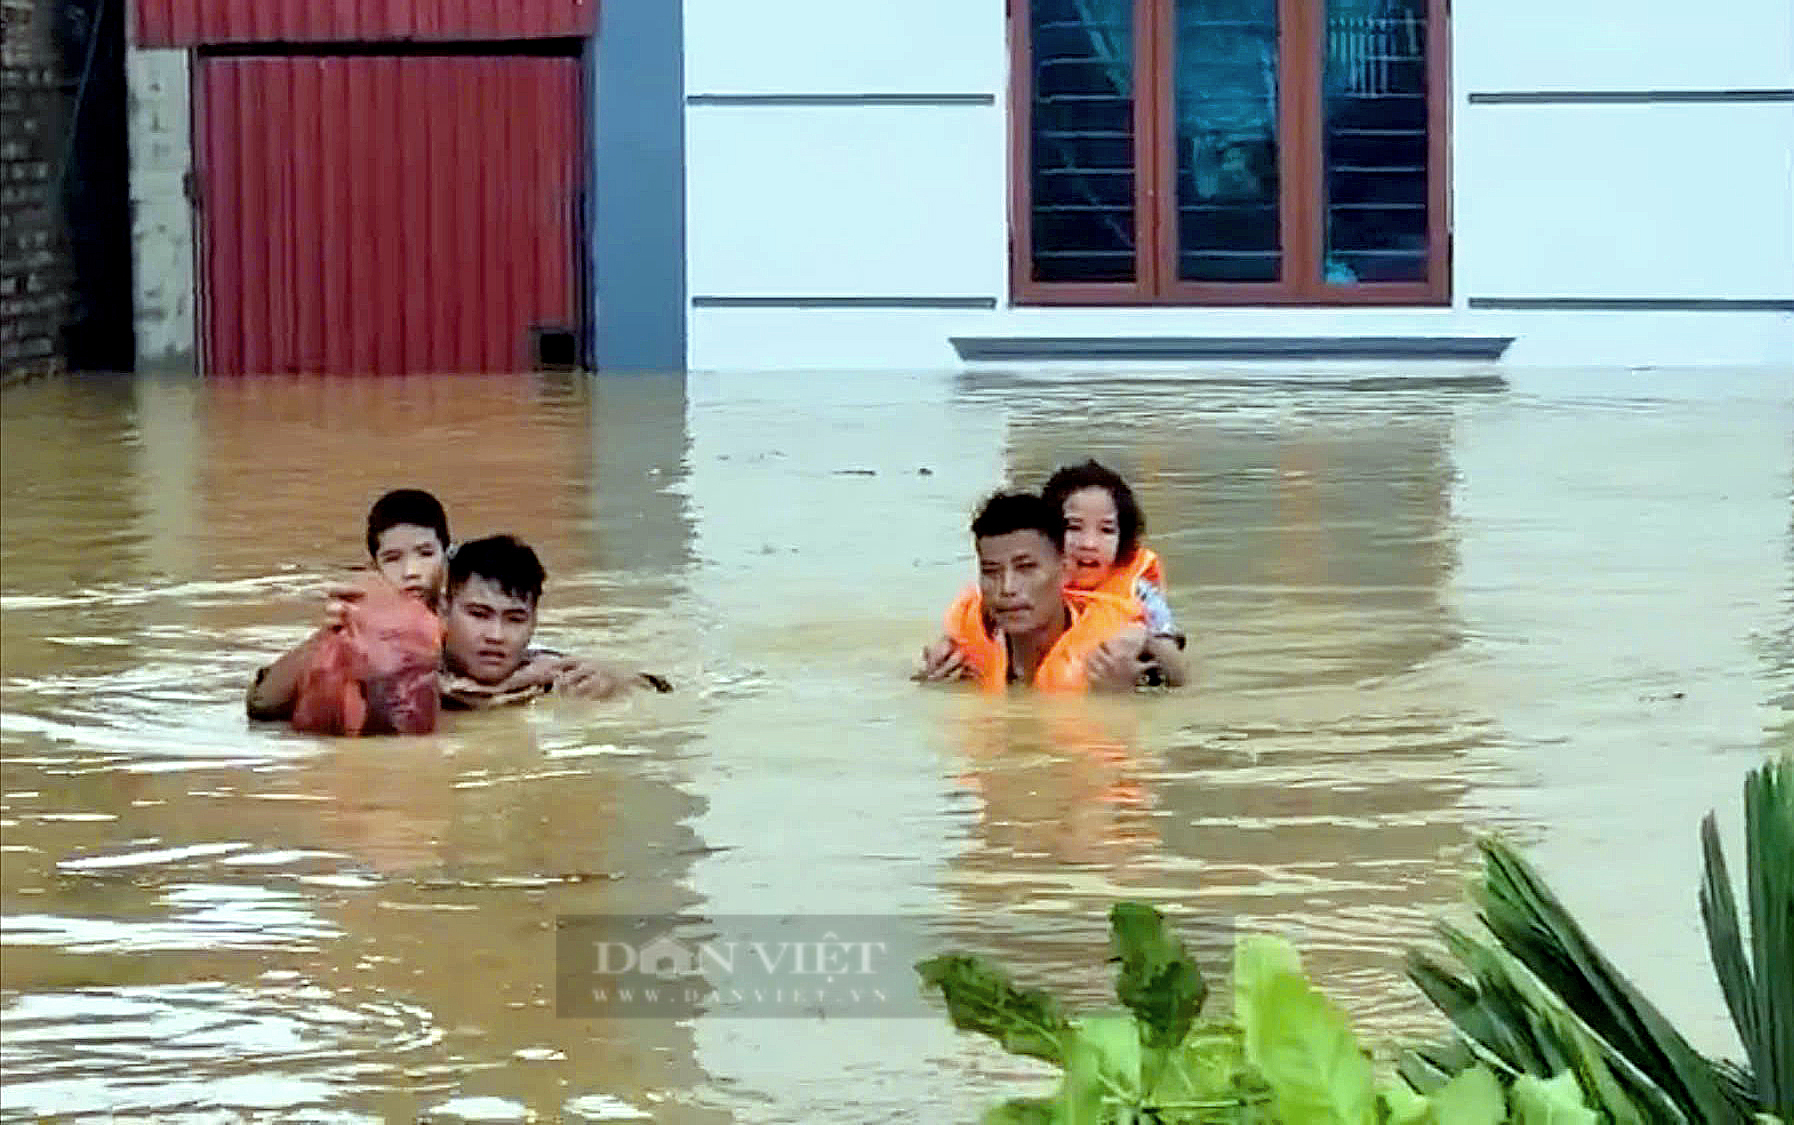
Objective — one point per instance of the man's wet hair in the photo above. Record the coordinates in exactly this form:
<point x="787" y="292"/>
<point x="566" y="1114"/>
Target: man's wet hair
<point x="406" y="505"/>
<point x="1006" y="512"/>
<point x="503" y="560"/>
<point x="1130" y="521"/>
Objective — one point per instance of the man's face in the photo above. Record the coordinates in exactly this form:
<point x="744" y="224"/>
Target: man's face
<point x="1019" y="575"/>
<point x="411" y="558"/>
<point x="486" y="630"/>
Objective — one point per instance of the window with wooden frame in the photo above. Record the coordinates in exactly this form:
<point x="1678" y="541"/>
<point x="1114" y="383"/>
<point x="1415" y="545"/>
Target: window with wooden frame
<point x="1228" y="152"/>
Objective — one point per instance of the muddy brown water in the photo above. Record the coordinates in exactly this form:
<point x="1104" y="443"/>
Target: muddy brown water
<point x="1423" y="607"/>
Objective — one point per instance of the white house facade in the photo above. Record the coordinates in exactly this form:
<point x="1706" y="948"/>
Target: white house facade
<point x="925" y="184"/>
<point x="913" y="185"/>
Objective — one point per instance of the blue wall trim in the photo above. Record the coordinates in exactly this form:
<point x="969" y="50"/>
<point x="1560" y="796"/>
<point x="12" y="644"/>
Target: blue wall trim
<point x="1638" y="304"/>
<point x="796" y="302"/>
<point x="638" y="177"/>
<point x="1627" y="97"/>
<point x="840" y="99"/>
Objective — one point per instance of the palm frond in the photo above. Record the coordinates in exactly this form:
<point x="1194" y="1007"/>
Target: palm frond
<point x="1529" y="922"/>
<point x="1758" y="988"/>
<point x="1510" y="1021"/>
<point x="1428" y="1068"/>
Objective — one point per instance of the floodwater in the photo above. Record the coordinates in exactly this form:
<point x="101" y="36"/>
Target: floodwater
<point x="1422" y="608"/>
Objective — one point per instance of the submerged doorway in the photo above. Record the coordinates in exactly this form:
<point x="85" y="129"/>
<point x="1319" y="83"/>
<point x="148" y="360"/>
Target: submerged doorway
<point x="388" y="214"/>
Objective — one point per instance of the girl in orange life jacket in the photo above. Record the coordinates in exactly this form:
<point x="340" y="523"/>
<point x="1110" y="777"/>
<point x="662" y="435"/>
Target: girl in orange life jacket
<point x="1103" y="552"/>
<point x="1020" y="625"/>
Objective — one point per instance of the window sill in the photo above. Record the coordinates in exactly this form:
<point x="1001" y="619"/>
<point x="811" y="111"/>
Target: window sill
<point x="1034" y="349"/>
<point x="1405" y="295"/>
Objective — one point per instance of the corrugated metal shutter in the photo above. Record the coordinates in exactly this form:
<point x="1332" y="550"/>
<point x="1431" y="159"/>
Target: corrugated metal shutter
<point x="387" y="214"/>
<point x="191" y="23"/>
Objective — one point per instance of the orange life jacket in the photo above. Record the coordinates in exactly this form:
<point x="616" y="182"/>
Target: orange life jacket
<point x="1095" y="617"/>
<point x="1145" y="564"/>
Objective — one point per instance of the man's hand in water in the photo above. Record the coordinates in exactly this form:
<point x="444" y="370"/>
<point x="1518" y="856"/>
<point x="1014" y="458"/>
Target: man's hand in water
<point x="942" y="661"/>
<point x="542" y="670"/>
<point x="593" y="679"/>
<point x="1115" y="664"/>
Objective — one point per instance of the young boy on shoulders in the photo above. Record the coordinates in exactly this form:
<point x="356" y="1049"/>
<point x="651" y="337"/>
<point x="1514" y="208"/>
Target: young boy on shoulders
<point x="408" y="543"/>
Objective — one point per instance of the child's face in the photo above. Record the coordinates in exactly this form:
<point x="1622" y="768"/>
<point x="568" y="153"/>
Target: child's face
<point x="1092" y="537"/>
<point x="411" y="558"/>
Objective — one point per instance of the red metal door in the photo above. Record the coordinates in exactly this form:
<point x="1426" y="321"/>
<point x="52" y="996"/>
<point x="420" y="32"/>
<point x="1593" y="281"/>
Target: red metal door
<point x="387" y="214"/>
<point x="190" y="23"/>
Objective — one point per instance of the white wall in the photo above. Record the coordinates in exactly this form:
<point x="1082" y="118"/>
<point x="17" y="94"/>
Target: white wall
<point x="1579" y="200"/>
<point x="162" y="236"/>
<point x="867" y="199"/>
<point x="1531" y="45"/>
<point x="1625" y="200"/>
<point x="1633" y="200"/>
<point x="843" y="200"/>
<point x="837" y="47"/>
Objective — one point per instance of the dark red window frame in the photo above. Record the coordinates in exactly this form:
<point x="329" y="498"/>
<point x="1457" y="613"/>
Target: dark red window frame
<point x="1302" y="174"/>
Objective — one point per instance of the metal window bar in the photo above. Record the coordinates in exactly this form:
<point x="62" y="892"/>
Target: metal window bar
<point x="1103" y="50"/>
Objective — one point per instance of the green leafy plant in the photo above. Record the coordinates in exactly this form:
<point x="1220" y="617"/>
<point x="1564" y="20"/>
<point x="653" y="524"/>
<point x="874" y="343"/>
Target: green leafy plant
<point x="1290" y="1057"/>
<point x="1548" y="1031"/>
<point x="1150" y="1062"/>
<point x="1538" y="999"/>
<point x="1759" y="989"/>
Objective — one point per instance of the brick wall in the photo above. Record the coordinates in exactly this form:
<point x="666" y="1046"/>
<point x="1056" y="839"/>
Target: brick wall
<point x="35" y="275"/>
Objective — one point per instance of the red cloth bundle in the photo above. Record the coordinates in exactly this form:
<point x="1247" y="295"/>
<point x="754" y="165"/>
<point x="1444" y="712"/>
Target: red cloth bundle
<point x="377" y="674"/>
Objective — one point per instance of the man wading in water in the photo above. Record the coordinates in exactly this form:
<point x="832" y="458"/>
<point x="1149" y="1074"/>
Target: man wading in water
<point x="494" y="585"/>
<point x="408" y="543"/>
<point x="1020" y="625"/>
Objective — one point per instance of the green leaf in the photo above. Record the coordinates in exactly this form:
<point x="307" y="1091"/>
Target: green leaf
<point x="1550" y="1101"/>
<point x="980" y="997"/>
<point x="1759" y="990"/>
<point x="1769" y="832"/>
<point x="1300" y="1042"/>
<point x="1472" y="1098"/>
<point x="1207" y="1066"/>
<point x="1158" y="980"/>
<point x="1258" y="959"/>
<point x="1023" y="1111"/>
<point x="1114" y="1041"/>
<point x="1725" y="945"/>
<point x="1429" y="1067"/>
<point x="1513" y="1023"/>
<point x="1483" y="1009"/>
<point x="1530" y="923"/>
<point x="1102" y="1064"/>
<point x="1402" y="1106"/>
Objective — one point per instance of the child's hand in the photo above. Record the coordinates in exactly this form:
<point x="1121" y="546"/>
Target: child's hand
<point x="1114" y="665"/>
<point x="341" y="597"/>
<point x="942" y="661"/>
